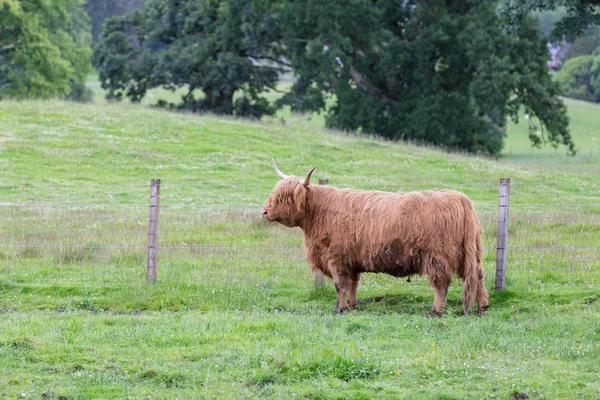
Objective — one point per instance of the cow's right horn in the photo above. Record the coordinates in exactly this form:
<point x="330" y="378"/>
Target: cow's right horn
<point x="281" y="174"/>
<point x="307" y="179"/>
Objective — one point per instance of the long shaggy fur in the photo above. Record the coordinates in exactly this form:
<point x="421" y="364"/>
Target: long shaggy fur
<point x="348" y="232"/>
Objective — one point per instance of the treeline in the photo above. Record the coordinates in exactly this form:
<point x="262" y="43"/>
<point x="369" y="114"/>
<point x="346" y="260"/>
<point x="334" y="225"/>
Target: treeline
<point x="46" y="46"/>
<point x="576" y="62"/>
<point x="448" y="73"/>
<point x="578" y="75"/>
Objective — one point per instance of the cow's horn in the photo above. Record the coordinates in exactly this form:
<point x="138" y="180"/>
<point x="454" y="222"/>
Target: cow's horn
<point x="281" y="174"/>
<point x="307" y="179"/>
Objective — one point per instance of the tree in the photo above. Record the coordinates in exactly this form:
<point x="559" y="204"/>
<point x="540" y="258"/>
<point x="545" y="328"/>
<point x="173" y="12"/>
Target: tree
<point x="448" y="73"/>
<point x="218" y="48"/>
<point x="44" y="48"/>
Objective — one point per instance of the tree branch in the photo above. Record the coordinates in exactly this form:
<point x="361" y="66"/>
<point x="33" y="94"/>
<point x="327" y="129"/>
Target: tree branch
<point x="273" y="88"/>
<point x="360" y="81"/>
<point x="357" y="76"/>
<point x="7" y="47"/>
<point x="285" y="64"/>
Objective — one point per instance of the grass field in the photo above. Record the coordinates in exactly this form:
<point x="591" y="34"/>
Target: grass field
<point x="234" y="313"/>
<point x="584" y="127"/>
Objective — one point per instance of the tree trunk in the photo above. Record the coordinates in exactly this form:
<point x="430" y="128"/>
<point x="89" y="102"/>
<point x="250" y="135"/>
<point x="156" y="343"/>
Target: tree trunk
<point x="223" y="99"/>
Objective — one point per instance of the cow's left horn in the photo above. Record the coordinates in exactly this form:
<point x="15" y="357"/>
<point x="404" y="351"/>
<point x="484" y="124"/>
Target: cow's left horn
<point x="307" y="179"/>
<point x="281" y="174"/>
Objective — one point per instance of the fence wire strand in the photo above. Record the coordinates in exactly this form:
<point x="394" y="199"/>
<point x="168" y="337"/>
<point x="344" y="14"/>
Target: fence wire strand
<point x="552" y="237"/>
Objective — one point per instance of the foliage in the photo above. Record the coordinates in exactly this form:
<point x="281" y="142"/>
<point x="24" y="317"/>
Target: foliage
<point x="219" y="48"/>
<point x="100" y="10"/>
<point x="580" y="78"/>
<point x="579" y="14"/>
<point x="44" y="48"/>
<point x="587" y="44"/>
<point x="548" y="19"/>
<point x="428" y="72"/>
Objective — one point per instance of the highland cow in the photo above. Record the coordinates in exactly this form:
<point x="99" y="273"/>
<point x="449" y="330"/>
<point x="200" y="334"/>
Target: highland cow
<point x="348" y="232"/>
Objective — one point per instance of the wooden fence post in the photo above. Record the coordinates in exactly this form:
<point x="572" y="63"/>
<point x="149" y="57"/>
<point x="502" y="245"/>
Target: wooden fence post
<point x="319" y="277"/>
<point x="153" y="230"/>
<point x="502" y="233"/>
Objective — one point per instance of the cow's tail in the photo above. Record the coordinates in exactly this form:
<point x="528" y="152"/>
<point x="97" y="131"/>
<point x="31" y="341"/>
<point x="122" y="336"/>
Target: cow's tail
<point x="473" y="252"/>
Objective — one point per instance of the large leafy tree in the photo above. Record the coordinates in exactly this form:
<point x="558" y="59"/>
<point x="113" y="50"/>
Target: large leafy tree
<point x="214" y="49"/>
<point x="443" y="72"/>
<point x="44" y="48"/>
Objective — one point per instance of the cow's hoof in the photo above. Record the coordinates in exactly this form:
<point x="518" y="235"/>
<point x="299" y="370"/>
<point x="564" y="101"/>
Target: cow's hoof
<point x="434" y="314"/>
<point x="482" y="310"/>
<point x="340" y="310"/>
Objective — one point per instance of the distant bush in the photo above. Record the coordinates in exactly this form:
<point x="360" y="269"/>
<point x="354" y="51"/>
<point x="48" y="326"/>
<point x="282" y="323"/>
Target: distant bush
<point x="80" y="93"/>
<point x="579" y="78"/>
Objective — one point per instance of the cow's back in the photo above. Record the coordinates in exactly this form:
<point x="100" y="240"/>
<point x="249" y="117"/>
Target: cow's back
<point x="388" y="232"/>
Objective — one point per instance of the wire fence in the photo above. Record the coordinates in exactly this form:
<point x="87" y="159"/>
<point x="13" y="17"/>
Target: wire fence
<point x="216" y="236"/>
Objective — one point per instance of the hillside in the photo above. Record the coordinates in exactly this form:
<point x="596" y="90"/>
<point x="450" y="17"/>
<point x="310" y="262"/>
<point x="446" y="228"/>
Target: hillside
<point x="65" y="143"/>
<point x="584" y="123"/>
<point x="234" y="312"/>
<point x="584" y="126"/>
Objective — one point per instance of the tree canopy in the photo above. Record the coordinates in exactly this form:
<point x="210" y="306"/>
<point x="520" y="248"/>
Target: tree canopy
<point x="44" y="48"/>
<point x="448" y="73"/>
<point x="214" y="50"/>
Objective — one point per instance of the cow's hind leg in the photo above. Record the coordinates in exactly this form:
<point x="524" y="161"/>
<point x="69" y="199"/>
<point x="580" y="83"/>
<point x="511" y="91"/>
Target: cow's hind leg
<point x="439" y="278"/>
<point x="352" y="298"/>
<point x="482" y="297"/>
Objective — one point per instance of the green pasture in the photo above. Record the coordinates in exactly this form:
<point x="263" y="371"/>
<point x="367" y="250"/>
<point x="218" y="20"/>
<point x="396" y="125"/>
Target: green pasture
<point x="584" y="126"/>
<point x="234" y="313"/>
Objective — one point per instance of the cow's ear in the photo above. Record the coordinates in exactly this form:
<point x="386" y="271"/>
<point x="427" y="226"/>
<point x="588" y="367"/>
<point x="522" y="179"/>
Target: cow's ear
<point x="300" y="197"/>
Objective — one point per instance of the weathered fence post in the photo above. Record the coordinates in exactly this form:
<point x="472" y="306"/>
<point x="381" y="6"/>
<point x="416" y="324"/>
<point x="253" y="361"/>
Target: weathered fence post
<point x="153" y="230"/>
<point x="502" y="233"/>
<point x="319" y="277"/>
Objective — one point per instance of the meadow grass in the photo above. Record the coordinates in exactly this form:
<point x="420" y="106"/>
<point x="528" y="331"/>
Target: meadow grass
<point x="545" y="352"/>
<point x="234" y="313"/>
<point x="584" y="123"/>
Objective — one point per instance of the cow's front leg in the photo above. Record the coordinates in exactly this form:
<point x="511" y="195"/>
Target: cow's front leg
<point x="440" y="282"/>
<point x="343" y="283"/>
<point x="439" y="278"/>
<point x="352" y="298"/>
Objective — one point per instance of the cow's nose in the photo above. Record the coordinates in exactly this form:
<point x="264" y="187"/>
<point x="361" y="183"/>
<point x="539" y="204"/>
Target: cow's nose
<point x="264" y="213"/>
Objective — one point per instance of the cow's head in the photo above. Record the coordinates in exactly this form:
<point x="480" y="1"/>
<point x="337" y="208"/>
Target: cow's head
<point x="287" y="202"/>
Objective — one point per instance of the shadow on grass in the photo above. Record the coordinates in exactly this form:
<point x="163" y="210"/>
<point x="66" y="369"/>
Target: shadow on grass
<point x="412" y="303"/>
<point x="300" y="300"/>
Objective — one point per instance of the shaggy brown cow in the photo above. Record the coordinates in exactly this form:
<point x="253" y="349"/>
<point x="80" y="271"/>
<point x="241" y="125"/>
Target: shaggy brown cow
<point x="347" y="232"/>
